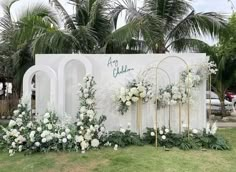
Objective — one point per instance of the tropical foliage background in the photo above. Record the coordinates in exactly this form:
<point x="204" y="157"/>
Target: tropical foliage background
<point x="158" y="26"/>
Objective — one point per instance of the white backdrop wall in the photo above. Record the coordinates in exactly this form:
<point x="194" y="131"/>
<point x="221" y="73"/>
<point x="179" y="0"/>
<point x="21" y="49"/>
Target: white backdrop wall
<point x="113" y="71"/>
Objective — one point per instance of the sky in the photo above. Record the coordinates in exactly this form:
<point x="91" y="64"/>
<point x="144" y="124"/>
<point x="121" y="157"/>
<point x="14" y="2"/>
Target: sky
<point x="221" y="6"/>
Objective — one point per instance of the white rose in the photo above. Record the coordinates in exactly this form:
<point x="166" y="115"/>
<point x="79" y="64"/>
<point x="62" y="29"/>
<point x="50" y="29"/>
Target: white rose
<point x="128" y="103"/>
<point x="90" y="112"/>
<point x="39" y="129"/>
<point x="141" y="88"/>
<point x="19" y="121"/>
<point x="37" y="144"/>
<point x="19" y="106"/>
<point x="47" y="115"/>
<point x="11" y="124"/>
<point x="163" y="137"/>
<point x="83" y="145"/>
<point x="30" y="125"/>
<point x="195" y="131"/>
<point x="15" y="112"/>
<point x="69" y="137"/>
<point x="134" y="91"/>
<point x="167" y="130"/>
<point x="64" y="140"/>
<point x="11" y="152"/>
<point x="32" y="133"/>
<point x="83" y="109"/>
<point x="20" y="148"/>
<point x="128" y="98"/>
<point x="87" y="136"/>
<point x="79" y="139"/>
<point x="13" y="144"/>
<point x="152" y="134"/>
<point x="122" y="130"/>
<point x="135" y="99"/>
<point x="122" y="91"/>
<point x="81" y="116"/>
<point x="67" y="130"/>
<point x="89" y="101"/>
<point x="23" y="113"/>
<point x="49" y="126"/>
<point x="143" y="94"/>
<point x="44" y="140"/>
<point x="45" y="121"/>
<point x="63" y="134"/>
<point x="116" y="147"/>
<point x="95" y="143"/>
<point x="161" y="132"/>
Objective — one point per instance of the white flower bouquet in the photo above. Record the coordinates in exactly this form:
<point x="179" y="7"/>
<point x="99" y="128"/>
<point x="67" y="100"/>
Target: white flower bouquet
<point x="132" y="93"/>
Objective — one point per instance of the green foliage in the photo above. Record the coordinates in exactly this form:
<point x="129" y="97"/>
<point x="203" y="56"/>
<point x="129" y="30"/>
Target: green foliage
<point x="182" y="141"/>
<point x="124" y="139"/>
<point x="165" y="25"/>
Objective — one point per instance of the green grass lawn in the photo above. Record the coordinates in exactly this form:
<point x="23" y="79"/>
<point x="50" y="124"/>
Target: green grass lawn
<point x="132" y="159"/>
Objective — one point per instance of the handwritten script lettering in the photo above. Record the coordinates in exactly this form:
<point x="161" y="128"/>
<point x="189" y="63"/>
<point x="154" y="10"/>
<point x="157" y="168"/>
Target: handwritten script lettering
<point x="118" y="69"/>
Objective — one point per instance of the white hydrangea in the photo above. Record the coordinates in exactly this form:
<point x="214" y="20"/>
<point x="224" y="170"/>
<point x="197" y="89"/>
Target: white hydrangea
<point x="95" y="143"/>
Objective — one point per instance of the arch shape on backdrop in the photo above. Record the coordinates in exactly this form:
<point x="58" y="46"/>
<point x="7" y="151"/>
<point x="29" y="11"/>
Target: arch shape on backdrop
<point x="61" y="79"/>
<point x="156" y="91"/>
<point x="27" y="80"/>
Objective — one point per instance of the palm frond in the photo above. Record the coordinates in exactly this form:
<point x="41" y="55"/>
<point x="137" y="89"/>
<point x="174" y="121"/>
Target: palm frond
<point x="186" y="44"/>
<point x="65" y="16"/>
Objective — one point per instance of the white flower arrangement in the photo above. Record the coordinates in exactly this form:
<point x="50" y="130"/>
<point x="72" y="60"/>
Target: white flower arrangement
<point x="211" y="129"/>
<point x="89" y="128"/>
<point x="181" y="91"/>
<point x="132" y="93"/>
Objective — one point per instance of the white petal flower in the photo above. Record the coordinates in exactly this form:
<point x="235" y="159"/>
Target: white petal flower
<point x="152" y="134"/>
<point x="69" y="137"/>
<point x="12" y="123"/>
<point x="39" y="129"/>
<point x="122" y="130"/>
<point x="46" y="115"/>
<point x="194" y="131"/>
<point x="67" y="130"/>
<point x="135" y="99"/>
<point x="116" y="147"/>
<point x="44" y="140"/>
<point x="89" y="101"/>
<point x="128" y="103"/>
<point x="79" y="139"/>
<point x="163" y="137"/>
<point x="161" y="132"/>
<point x="37" y="144"/>
<point x="45" y="121"/>
<point x="167" y="130"/>
<point x="95" y="143"/>
<point x="143" y="94"/>
<point x="64" y="140"/>
<point x="49" y="126"/>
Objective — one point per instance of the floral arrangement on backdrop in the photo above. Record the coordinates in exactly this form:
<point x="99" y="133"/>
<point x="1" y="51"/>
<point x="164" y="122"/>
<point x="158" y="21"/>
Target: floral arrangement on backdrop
<point x="181" y="92"/>
<point x="134" y="91"/>
<point x="89" y="128"/>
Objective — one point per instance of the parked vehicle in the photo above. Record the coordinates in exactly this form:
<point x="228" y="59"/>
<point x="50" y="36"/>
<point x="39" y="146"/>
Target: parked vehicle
<point x="213" y="99"/>
<point x="229" y="95"/>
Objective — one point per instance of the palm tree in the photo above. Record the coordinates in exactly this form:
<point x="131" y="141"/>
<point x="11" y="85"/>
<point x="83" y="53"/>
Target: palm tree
<point x="165" y="25"/>
<point x="36" y="30"/>
<point x="90" y="24"/>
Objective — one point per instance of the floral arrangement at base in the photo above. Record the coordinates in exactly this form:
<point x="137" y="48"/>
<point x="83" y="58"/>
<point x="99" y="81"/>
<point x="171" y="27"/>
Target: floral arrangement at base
<point x="89" y="128"/>
<point x="122" y="138"/>
<point x="206" y="139"/>
<point x="132" y="93"/>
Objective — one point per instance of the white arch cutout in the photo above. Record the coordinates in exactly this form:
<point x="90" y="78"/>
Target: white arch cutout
<point x="27" y="90"/>
<point x="61" y="80"/>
